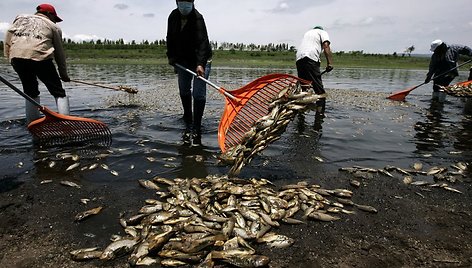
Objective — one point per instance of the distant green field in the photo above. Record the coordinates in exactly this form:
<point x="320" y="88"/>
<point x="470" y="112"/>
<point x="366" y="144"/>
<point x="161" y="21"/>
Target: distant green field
<point x="156" y="54"/>
<point x="234" y="58"/>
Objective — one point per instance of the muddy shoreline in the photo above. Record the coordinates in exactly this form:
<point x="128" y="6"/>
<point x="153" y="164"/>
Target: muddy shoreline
<point x="414" y="226"/>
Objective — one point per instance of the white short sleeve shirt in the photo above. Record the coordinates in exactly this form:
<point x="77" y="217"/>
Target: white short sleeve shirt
<point x="312" y="44"/>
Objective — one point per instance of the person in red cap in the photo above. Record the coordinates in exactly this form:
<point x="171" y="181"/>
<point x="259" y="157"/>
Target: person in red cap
<point x="31" y="44"/>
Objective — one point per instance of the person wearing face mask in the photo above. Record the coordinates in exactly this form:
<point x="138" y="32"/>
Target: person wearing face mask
<point x="189" y="46"/>
<point x="31" y="44"/>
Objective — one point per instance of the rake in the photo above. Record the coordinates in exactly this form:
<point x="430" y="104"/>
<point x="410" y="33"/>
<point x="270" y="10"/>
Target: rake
<point x="246" y="105"/>
<point x="58" y="129"/>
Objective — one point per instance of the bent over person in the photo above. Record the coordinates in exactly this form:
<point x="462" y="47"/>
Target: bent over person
<point x="308" y="62"/>
<point x="188" y="45"/>
<point x="31" y="44"/>
<point x="442" y="64"/>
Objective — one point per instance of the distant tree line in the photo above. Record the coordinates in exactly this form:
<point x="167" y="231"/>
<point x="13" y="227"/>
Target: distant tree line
<point x="121" y="44"/>
<point x="161" y="44"/>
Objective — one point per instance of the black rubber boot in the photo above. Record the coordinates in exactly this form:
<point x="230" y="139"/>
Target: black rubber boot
<point x="198" y="109"/>
<point x="187" y="105"/>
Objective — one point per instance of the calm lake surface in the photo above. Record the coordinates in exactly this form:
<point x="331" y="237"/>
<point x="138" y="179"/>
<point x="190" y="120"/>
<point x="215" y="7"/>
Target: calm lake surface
<point x="361" y="127"/>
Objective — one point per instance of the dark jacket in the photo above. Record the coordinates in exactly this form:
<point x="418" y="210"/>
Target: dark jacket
<point x="188" y="46"/>
<point x="443" y="63"/>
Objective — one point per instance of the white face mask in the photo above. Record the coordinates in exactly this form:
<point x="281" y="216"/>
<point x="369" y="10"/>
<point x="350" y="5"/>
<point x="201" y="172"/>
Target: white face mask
<point x="185" y="7"/>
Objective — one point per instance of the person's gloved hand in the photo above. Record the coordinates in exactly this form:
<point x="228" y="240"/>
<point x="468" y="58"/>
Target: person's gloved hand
<point x="329" y="68"/>
<point x="427" y="80"/>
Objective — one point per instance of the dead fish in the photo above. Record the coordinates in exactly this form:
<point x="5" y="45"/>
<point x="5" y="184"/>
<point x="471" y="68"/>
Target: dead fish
<point x="241" y="258"/>
<point x="146" y="261"/>
<point x="85" y="254"/>
<point x="93" y="166"/>
<point x="104" y="166"/>
<point x="52" y="164"/>
<point x="417" y="166"/>
<point x="355" y="183"/>
<point x="149" y="184"/>
<point x="71" y="167"/>
<point x="452" y="189"/>
<point x="322" y="216"/>
<point x="419" y="183"/>
<point x="407" y="179"/>
<point x="70" y="184"/>
<point x="118" y="248"/>
<point x="276" y="240"/>
<point x="173" y="263"/>
<point x="83" y="215"/>
<point x="114" y="173"/>
<point x="436" y="170"/>
<point x="366" y="208"/>
<point x="45" y="181"/>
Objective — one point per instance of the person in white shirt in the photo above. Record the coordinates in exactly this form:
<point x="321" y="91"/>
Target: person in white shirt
<point x="308" y="62"/>
<point x="31" y="44"/>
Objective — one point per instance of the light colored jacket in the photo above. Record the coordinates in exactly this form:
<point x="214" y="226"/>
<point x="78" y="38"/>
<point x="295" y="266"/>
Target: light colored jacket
<point x="37" y="38"/>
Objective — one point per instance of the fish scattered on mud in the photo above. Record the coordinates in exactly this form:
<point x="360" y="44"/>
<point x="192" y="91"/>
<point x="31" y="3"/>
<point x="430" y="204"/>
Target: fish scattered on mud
<point x="218" y="220"/>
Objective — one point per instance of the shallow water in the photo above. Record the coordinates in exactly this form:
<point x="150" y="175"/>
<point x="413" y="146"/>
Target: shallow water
<point x="361" y="127"/>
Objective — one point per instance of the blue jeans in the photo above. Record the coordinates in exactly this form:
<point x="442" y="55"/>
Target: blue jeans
<point x="199" y="86"/>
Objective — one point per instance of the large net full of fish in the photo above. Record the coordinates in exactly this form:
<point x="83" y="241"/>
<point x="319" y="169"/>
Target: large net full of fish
<point x="269" y="128"/>
<point x="459" y="90"/>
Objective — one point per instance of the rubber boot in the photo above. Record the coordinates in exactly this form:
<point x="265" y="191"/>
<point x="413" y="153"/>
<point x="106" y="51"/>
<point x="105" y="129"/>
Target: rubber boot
<point x="439" y="96"/>
<point x="63" y="105"/>
<point x="320" y="107"/>
<point x="198" y="109"/>
<point x="187" y="105"/>
<point x="32" y="111"/>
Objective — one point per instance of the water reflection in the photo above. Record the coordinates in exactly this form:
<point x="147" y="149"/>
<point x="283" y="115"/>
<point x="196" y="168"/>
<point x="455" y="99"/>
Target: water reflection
<point x="430" y="132"/>
<point x="372" y="132"/>
<point x="193" y="161"/>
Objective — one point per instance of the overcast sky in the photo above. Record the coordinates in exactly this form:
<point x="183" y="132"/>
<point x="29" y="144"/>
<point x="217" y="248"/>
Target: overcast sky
<point x="374" y="26"/>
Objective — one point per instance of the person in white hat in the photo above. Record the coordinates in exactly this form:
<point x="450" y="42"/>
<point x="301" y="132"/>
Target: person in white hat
<point x="31" y="45"/>
<point x="442" y="64"/>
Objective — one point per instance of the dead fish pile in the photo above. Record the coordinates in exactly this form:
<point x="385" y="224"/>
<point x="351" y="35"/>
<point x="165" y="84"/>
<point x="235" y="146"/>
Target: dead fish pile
<point x="456" y="172"/>
<point x="459" y="90"/>
<point x="215" y="220"/>
<point x="269" y="128"/>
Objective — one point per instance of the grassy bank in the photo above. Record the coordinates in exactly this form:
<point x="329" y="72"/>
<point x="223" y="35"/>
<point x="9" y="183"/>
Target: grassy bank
<point x="233" y="58"/>
<point x="156" y="54"/>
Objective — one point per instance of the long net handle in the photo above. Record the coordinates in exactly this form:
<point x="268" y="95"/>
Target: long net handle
<point x="220" y="89"/>
<point x="20" y="92"/>
<point x="452" y="69"/>
<point x="93" y="84"/>
<point x="120" y="88"/>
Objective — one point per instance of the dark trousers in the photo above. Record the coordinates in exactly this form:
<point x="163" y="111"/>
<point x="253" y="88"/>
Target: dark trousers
<point x="442" y="81"/>
<point x="309" y="69"/>
<point x="30" y="71"/>
<point x="470" y="74"/>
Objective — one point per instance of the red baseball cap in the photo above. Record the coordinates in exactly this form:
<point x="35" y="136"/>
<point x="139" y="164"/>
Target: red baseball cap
<point x="47" y="8"/>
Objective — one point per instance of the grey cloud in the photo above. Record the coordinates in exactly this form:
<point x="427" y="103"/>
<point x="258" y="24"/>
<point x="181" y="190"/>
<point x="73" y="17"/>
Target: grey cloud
<point x="121" y="6"/>
<point x="149" y="15"/>
<point x="362" y="22"/>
